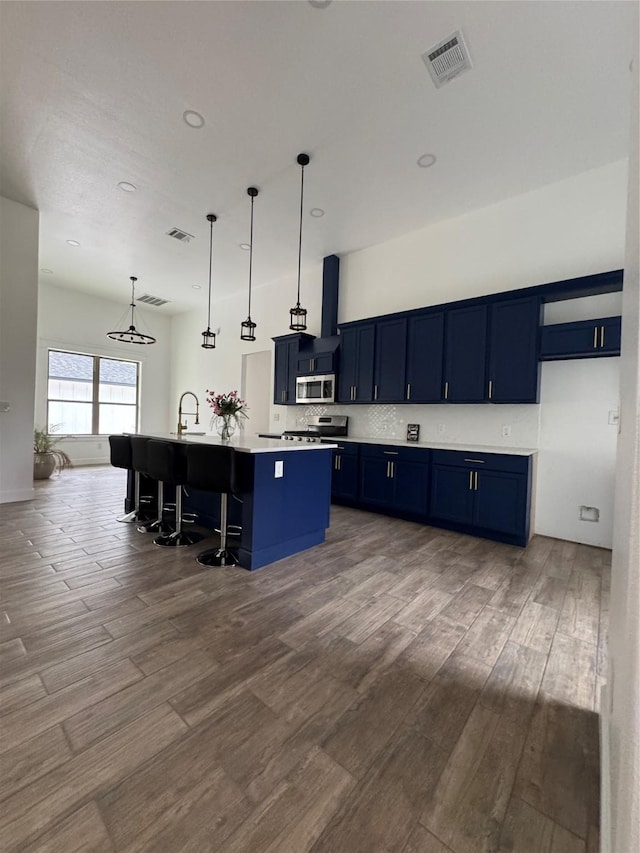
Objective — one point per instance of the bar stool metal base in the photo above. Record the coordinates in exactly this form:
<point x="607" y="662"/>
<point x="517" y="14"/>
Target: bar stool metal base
<point x="177" y="539"/>
<point x="217" y="557"/>
<point x="157" y="527"/>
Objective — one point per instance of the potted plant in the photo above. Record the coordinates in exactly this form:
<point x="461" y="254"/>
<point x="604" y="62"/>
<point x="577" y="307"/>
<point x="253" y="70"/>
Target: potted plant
<point x="46" y="456"/>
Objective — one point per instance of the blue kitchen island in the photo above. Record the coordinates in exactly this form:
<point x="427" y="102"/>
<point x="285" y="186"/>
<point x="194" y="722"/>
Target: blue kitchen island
<point x="284" y="501"/>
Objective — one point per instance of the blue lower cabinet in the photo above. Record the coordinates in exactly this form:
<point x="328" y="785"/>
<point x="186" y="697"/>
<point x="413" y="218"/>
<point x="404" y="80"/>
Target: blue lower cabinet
<point x="344" y="473"/>
<point x="395" y="480"/>
<point x="482" y="494"/>
<point x="452" y="494"/>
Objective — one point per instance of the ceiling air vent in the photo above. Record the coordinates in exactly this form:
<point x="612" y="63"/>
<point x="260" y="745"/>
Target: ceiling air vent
<point x="152" y="300"/>
<point x="181" y="235"/>
<point x="447" y="59"/>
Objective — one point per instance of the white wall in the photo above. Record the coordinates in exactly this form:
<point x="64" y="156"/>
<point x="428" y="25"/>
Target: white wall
<point x="18" y="316"/>
<point x="75" y="321"/>
<point x="220" y="369"/>
<point x="621" y="729"/>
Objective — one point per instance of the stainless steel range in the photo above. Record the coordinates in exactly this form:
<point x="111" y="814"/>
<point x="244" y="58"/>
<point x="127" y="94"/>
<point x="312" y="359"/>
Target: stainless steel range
<point x="322" y="426"/>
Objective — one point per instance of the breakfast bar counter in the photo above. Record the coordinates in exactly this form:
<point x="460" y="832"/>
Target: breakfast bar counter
<point x="283" y="505"/>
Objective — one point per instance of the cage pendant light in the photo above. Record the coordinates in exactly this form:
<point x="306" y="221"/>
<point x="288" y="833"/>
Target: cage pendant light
<point x="248" y="327"/>
<point x="299" y="315"/>
<point x="209" y="337"/>
<point x="131" y="335"/>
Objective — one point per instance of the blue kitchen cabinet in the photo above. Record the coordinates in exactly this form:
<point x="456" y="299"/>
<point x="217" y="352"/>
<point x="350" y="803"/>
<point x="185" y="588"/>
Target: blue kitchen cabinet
<point x="357" y="351"/>
<point x="482" y="494"/>
<point x="581" y="339"/>
<point x="344" y="473"/>
<point x="287" y="349"/>
<point x="425" y="346"/>
<point x="316" y="363"/>
<point x="395" y="479"/>
<point x="465" y="354"/>
<point x="390" y="360"/>
<point x="513" y="368"/>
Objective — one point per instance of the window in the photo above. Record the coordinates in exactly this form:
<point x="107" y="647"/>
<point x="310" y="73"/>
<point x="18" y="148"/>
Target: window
<point x="91" y="395"/>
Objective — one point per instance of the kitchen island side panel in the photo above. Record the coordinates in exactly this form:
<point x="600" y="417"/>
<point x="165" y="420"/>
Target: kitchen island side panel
<point x="283" y="515"/>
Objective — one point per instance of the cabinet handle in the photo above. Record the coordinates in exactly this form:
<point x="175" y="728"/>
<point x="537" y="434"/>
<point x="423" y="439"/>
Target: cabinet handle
<point x="393" y="470"/>
<point x="375" y="392"/>
<point x="490" y="388"/>
<point x="475" y="475"/>
<point x="595" y="337"/>
<point x="446" y="390"/>
<point x="477" y="461"/>
<point x="355" y="392"/>
<point x="391" y="452"/>
<point x="471" y="480"/>
<point x="409" y="391"/>
<point x="339" y="458"/>
<point x="601" y="336"/>
<point x="388" y="463"/>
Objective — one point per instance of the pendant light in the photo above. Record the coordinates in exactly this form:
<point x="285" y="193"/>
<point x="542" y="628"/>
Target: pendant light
<point x="248" y="327"/>
<point x="209" y="337"/>
<point x="299" y="315"/>
<point x="131" y="335"/>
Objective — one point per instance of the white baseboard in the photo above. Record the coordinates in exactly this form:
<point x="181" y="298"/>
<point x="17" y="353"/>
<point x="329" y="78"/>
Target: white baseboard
<point x="605" y="788"/>
<point x="16" y="495"/>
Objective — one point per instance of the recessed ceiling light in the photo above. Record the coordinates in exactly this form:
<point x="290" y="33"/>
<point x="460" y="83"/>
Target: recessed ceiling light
<point x="319" y="4"/>
<point x="426" y="160"/>
<point x="245" y="246"/>
<point x="317" y="212"/>
<point x="126" y="187"/>
<point x="196" y="287"/>
<point x="73" y="243"/>
<point x="193" y="119"/>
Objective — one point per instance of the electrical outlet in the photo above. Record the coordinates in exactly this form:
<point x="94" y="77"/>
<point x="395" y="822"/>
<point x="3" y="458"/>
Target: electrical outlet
<point x="279" y="469"/>
<point x="99" y="445"/>
<point x="5" y="406"/>
<point x="614" y="417"/>
<point x="441" y="428"/>
<point x="276" y="416"/>
<point x="506" y="431"/>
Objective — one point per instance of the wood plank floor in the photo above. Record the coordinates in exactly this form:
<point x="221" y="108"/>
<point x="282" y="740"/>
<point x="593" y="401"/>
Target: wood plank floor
<point x="399" y="688"/>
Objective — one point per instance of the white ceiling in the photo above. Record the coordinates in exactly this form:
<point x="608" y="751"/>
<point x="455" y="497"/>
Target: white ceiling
<point x="93" y="93"/>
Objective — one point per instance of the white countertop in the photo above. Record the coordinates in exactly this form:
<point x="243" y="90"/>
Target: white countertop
<point x="425" y="445"/>
<point x="240" y="442"/>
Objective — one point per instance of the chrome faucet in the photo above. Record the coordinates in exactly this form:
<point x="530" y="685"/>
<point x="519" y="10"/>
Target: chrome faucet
<point x="182" y="427"/>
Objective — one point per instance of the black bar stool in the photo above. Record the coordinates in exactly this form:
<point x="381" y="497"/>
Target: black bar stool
<point x="213" y="469"/>
<point x="167" y="463"/>
<point x="121" y="450"/>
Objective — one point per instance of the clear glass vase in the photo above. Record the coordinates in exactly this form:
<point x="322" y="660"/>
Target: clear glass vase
<point x="226" y="426"/>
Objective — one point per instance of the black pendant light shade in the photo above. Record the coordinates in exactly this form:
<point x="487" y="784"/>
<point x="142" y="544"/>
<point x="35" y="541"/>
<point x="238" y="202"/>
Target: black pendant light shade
<point x="209" y="337"/>
<point x="131" y="335"/>
<point x="248" y="327"/>
<point x="297" y="314"/>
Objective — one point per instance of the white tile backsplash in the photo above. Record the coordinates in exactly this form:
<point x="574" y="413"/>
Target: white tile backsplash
<point x="463" y="424"/>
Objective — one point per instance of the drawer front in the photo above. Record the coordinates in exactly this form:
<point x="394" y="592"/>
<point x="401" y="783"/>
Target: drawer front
<point x="480" y="461"/>
<point x="344" y="448"/>
<point x="388" y="451"/>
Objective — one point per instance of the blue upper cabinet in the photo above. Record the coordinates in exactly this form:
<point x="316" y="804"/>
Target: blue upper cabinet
<point x="425" y="342"/>
<point x="513" y="368"/>
<point x="465" y="354"/>
<point x="357" y="350"/>
<point x="390" y="357"/>
<point x="287" y="348"/>
<point x="581" y="339"/>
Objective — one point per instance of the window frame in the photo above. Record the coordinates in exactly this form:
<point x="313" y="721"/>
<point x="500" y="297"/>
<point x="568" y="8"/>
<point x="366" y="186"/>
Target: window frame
<point x="95" y="390"/>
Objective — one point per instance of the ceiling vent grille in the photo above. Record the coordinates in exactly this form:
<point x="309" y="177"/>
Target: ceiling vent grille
<point x="179" y="234"/>
<point x="152" y="300"/>
<point x="447" y="59"/>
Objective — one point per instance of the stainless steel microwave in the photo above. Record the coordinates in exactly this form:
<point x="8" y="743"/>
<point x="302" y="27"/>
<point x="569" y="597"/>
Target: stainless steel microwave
<point x="316" y="389"/>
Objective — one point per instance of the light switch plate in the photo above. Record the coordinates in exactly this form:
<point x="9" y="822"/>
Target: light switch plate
<point x="4" y="406"/>
<point x="279" y="469"/>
